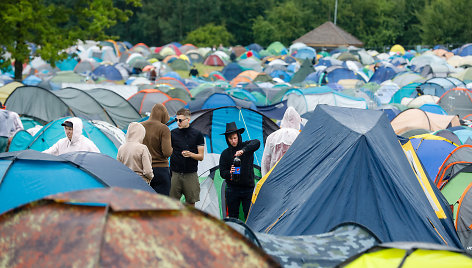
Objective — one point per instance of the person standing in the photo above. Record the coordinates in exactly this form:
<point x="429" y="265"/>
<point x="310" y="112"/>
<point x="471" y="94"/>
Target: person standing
<point x="158" y="142"/>
<point x="278" y="142"/>
<point x="134" y="154"/>
<point x="188" y="146"/>
<point x="74" y="140"/>
<point x="238" y="189"/>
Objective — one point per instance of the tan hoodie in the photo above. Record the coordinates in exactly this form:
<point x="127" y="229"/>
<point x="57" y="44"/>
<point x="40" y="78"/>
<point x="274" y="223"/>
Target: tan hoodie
<point x="134" y="154"/>
<point x="157" y="137"/>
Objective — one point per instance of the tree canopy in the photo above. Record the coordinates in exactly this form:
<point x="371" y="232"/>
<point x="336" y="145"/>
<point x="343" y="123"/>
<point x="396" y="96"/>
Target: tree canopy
<point x="52" y="26"/>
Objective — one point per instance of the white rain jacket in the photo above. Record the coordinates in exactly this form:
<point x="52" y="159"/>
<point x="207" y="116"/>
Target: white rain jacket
<point x="134" y="154"/>
<point x="78" y="143"/>
<point x="278" y="142"/>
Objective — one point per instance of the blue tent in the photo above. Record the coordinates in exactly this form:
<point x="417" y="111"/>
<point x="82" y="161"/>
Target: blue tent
<point x="213" y="122"/>
<point x="108" y="71"/>
<point x="383" y="73"/>
<point x="336" y="74"/>
<point x="433" y="108"/>
<point x="30" y="175"/>
<point x="347" y="166"/>
<point x="231" y="70"/>
<point x="53" y="131"/>
<point x="432" y="152"/>
<point x="218" y="100"/>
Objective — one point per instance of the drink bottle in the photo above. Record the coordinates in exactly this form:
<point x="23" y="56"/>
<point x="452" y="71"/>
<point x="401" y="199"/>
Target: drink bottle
<point x="237" y="169"/>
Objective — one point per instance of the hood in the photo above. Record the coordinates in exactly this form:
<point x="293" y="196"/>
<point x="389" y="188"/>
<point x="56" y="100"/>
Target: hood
<point x="136" y="132"/>
<point x="291" y="119"/>
<point x="77" y="128"/>
<point x="240" y="142"/>
<point x="159" y="113"/>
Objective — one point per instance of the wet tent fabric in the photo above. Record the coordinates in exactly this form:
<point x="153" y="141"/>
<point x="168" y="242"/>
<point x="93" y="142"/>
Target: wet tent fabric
<point x="457" y="101"/>
<point x="116" y="226"/>
<point x="213" y="122"/>
<point x="432" y="151"/>
<point x="409" y="255"/>
<point x="354" y="171"/>
<point x="30" y="101"/>
<point x="119" y="109"/>
<point x="53" y="132"/>
<point x="83" y="104"/>
<point x="464" y="219"/>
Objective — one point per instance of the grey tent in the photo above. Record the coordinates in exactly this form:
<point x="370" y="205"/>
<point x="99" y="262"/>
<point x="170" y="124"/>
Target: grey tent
<point x="464" y="219"/>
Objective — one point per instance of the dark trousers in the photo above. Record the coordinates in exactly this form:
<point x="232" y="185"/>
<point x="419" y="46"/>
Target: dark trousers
<point x="161" y="181"/>
<point x="235" y="197"/>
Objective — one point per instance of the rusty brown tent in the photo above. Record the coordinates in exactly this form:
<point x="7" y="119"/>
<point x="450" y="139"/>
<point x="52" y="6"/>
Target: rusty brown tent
<point x="116" y="227"/>
<point x="329" y="35"/>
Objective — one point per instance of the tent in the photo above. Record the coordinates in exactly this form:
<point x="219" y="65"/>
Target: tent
<point x="322" y="250"/>
<point x="347" y="166"/>
<point x="145" y="99"/>
<point x="328" y="35"/>
<point x="464" y="218"/>
<point x="458" y="159"/>
<point x="411" y="119"/>
<point x="53" y="131"/>
<point x="29" y="175"/>
<point x="439" y="85"/>
<point x="432" y="150"/>
<point x="457" y="101"/>
<point x="214" y="60"/>
<point x="7" y="89"/>
<point x="212" y="123"/>
<point x="231" y="70"/>
<point x="217" y="100"/>
<point x="116" y="226"/>
<point x="409" y="255"/>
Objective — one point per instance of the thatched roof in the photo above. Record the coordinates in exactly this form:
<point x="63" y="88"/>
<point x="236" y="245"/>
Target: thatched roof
<point x="328" y="35"/>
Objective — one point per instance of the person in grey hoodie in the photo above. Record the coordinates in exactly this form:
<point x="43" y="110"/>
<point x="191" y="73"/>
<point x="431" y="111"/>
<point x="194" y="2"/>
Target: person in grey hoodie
<point x="134" y="154"/>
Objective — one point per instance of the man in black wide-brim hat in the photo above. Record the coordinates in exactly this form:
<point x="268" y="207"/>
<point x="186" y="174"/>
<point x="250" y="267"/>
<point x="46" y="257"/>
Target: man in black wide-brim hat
<point x="238" y="190"/>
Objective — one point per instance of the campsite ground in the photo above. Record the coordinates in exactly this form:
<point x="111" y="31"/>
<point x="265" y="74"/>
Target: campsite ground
<point x="202" y="69"/>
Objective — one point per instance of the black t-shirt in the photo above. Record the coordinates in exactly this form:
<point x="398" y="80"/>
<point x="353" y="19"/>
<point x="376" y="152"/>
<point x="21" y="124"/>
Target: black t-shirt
<point x="185" y="139"/>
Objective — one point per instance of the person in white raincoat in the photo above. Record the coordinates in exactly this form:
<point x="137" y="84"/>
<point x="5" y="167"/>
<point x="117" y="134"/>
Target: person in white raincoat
<point x="278" y="142"/>
<point x="74" y="140"/>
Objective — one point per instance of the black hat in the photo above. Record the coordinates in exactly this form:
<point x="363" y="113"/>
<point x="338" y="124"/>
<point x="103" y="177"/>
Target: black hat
<point x="231" y="128"/>
<point x="67" y="124"/>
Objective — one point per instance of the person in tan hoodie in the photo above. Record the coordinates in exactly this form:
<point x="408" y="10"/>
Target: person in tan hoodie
<point x="158" y="141"/>
<point x="134" y="154"/>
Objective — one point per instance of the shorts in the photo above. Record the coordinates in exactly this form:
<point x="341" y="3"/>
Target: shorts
<point x="186" y="184"/>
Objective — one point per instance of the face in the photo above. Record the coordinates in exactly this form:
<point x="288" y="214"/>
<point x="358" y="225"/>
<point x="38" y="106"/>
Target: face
<point x="233" y="139"/>
<point x="183" y="121"/>
<point x="69" y="132"/>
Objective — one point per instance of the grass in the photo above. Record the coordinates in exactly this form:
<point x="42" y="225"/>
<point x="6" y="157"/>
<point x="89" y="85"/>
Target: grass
<point x="202" y="70"/>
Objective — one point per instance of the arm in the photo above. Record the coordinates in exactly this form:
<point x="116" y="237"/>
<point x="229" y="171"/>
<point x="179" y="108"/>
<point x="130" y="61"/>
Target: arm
<point x="251" y="146"/>
<point x="265" y="163"/>
<point x="54" y="150"/>
<point x="225" y="166"/>
<point x="166" y="143"/>
<point x="198" y="157"/>
<point x="147" y="163"/>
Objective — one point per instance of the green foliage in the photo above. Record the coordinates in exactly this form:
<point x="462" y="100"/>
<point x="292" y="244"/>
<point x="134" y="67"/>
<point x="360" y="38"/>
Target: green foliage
<point x="53" y="25"/>
<point x="210" y="35"/>
<point x="446" y="21"/>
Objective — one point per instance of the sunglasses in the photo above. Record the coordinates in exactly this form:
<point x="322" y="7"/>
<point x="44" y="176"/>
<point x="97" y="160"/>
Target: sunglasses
<point x="180" y="120"/>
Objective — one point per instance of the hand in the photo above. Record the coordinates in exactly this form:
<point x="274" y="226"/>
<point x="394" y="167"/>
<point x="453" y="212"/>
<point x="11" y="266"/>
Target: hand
<point x="239" y="153"/>
<point x="186" y="153"/>
<point x="232" y="169"/>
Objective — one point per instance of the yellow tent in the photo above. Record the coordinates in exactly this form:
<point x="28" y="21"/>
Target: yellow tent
<point x="7" y="89"/>
<point x="398" y="49"/>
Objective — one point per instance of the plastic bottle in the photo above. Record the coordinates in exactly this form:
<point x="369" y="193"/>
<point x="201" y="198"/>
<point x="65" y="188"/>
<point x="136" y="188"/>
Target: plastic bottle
<point x="237" y="169"/>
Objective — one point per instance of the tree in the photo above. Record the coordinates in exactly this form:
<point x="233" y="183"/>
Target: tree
<point x="52" y="26"/>
<point x="445" y="22"/>
<point x="210" y="35"/>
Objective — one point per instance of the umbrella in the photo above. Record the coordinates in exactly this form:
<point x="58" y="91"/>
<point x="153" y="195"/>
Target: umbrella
<point x="120" y="227"/>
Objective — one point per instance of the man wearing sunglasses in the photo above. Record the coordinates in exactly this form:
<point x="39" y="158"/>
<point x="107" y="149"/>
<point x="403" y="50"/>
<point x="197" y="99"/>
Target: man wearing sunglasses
<point x="188" y="146"/>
